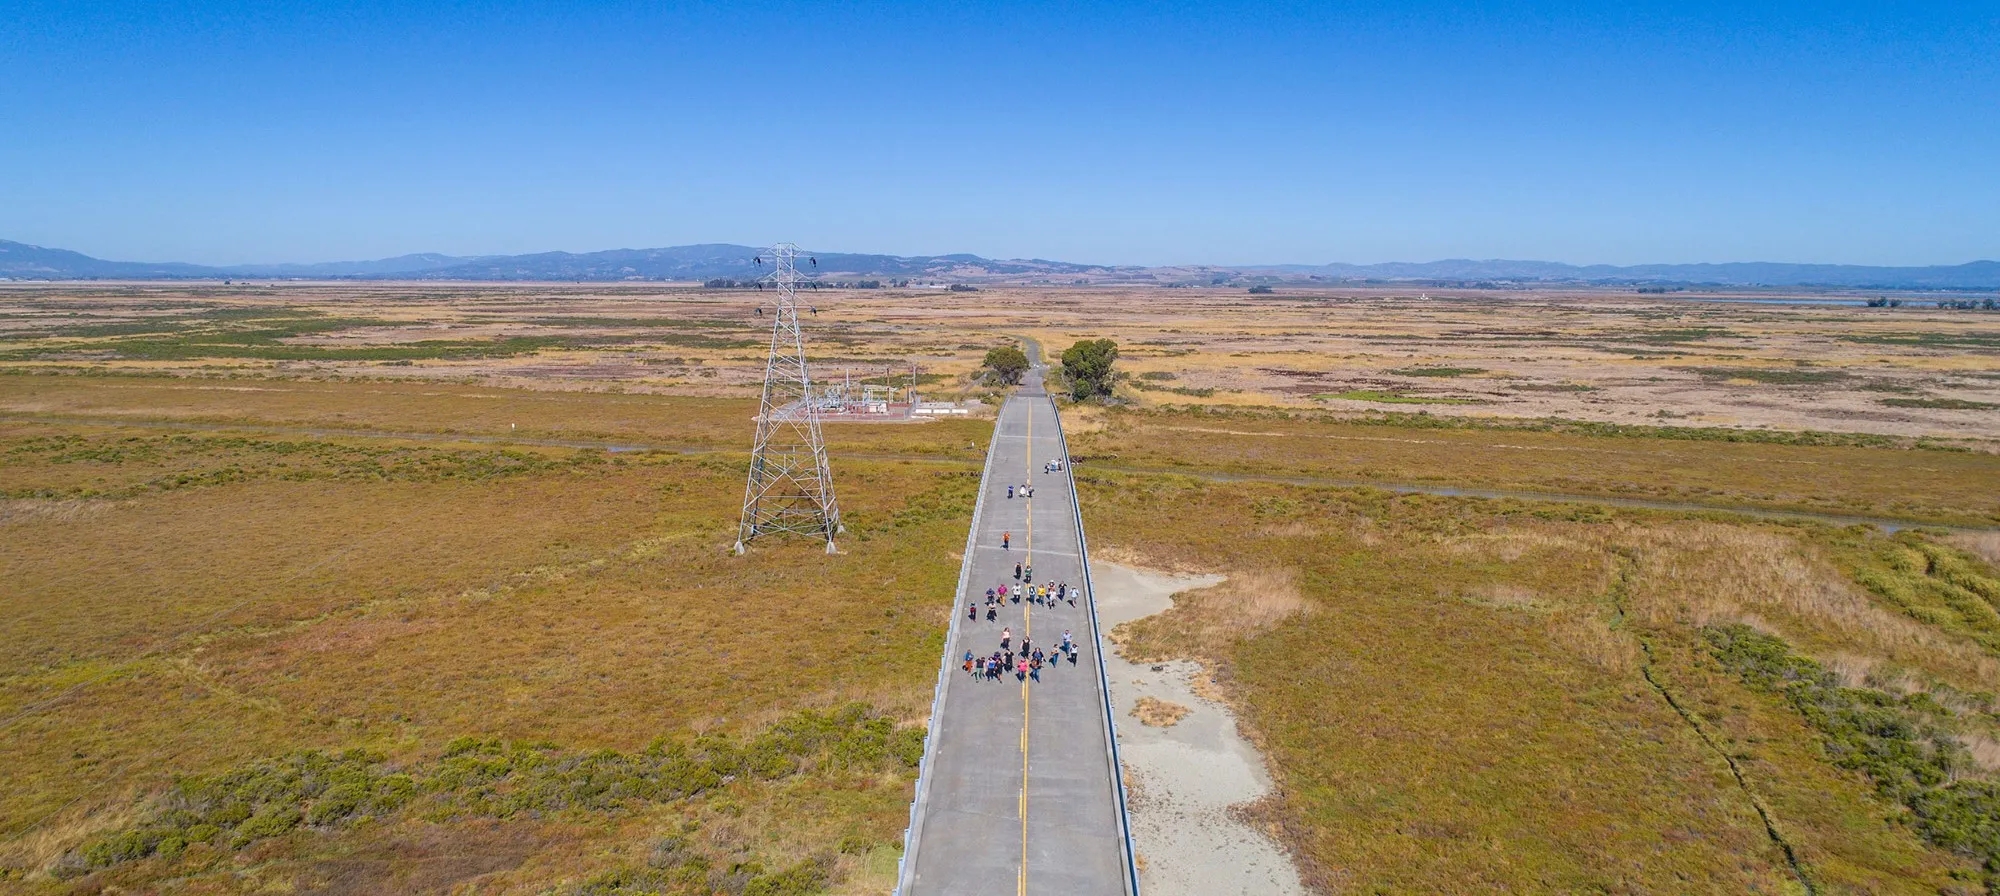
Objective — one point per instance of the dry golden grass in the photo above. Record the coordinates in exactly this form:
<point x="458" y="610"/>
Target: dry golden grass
<point x="1921" y="485"/>
<point x="244" y="596"/>
<point x="1158" y="713"/>
<point x="1985" y="750"/>
<point x="327" y="408"/>
<point x="1598" y="355"/>
<point x="1697" y="574"/>
<point x="1467" y="702"/>
<point x="303" y="547"/>
<point x="1243" y="603"/>
<point x="1984" y="544"/>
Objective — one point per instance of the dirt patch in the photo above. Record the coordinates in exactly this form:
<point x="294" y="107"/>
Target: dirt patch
<point x="1194" y="777"/>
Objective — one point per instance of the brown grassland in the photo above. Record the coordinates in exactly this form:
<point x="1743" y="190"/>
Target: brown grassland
<point x="338" y="588"/>
<point x="1894" y="480"/>
<point x="1602" y="356"/>
<point x="1466" y="695"/>
<point x="186" y="603"/>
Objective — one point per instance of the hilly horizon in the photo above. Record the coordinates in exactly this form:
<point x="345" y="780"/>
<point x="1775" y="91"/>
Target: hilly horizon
<point x="707" y="261"/>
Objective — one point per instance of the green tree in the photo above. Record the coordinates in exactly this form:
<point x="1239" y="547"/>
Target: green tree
<point x="1007" y="363"/>
<point x="1087" y="364"/>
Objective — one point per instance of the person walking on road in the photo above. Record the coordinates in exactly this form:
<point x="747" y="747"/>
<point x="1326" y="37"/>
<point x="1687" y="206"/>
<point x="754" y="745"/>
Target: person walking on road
<point x="1021" y="671"/>
<point x="972" y="612"/>
<point x="1006" y="539"/>
<point x="1006" y="635"/>
<point x="1017" y="572"/>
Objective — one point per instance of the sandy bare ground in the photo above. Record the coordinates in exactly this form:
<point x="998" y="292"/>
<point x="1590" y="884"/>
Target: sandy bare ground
<point x="1185" y="777"/>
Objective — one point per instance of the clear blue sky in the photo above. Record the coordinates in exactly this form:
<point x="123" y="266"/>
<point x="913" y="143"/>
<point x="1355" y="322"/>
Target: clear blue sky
<point x="1097" y="132"/>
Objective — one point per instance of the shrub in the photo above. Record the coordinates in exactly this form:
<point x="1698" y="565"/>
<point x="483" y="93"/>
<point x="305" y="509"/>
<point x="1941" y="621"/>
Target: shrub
<point x="1904" y="745"/>
<point x="496" y="778"/>
<point x="802" y="879"/>
<point x="269" y="822"/>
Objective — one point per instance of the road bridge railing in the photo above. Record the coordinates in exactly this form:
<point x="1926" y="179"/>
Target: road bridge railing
<point x="1127" y="854"/>
<point x="912" y="834"/>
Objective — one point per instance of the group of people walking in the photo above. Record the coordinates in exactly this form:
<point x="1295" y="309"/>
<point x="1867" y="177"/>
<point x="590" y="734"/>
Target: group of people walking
<point x="1026" y="664"/>
<point x="1038" y="595"/>
<point x="1024" y="661"/>
<point x="1027" y="490"/>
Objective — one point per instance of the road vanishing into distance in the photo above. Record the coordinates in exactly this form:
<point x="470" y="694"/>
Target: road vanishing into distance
<point x="1020" y="791"/>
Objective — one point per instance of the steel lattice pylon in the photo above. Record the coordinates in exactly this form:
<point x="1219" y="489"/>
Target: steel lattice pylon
<point x="790" y="487"/>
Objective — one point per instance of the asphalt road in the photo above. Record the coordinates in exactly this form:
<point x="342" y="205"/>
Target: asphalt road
<point x="1019" y="795"/>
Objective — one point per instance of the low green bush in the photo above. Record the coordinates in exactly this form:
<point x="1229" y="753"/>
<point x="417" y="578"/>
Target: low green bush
<point x="1905" y="745"/>
<point x="489" y="777"/>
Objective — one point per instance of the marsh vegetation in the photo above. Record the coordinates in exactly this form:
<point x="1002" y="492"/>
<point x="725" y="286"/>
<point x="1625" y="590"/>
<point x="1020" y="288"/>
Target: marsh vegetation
<point x="367" y="587"/>
<point x="398" y="660"/>
<point x="1459" y="693"/>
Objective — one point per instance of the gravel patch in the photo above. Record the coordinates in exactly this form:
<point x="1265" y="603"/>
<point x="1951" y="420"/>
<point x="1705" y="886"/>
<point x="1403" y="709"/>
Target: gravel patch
<point x="1185" y="777"/>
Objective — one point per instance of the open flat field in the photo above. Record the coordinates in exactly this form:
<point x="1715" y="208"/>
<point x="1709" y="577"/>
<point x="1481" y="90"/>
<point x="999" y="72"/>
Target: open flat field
<point x="340" y="588"/>
<point x="1460" y="695"/>
<point x="1603" y="356"/>
<point x="1876" y="477"/>
<point x="415" y="663"/>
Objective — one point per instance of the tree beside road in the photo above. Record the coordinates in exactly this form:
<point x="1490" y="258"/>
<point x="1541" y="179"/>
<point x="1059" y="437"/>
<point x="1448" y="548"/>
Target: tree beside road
<point x="1087" y="366"/>
<point x="1007" y="363"/>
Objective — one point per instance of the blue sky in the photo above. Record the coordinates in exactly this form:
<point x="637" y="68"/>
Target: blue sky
<point x="1096" y="132"/>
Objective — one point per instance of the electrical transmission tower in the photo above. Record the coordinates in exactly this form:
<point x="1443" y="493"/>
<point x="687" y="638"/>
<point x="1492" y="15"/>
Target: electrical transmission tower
<point x="790" y="487"/>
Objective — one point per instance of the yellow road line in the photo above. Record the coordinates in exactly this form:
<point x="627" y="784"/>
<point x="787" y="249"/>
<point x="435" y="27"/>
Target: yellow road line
<point x="1027" y="630"/>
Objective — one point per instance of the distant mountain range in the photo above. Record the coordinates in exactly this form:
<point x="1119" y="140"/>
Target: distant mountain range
<point x="20" y="261"/>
